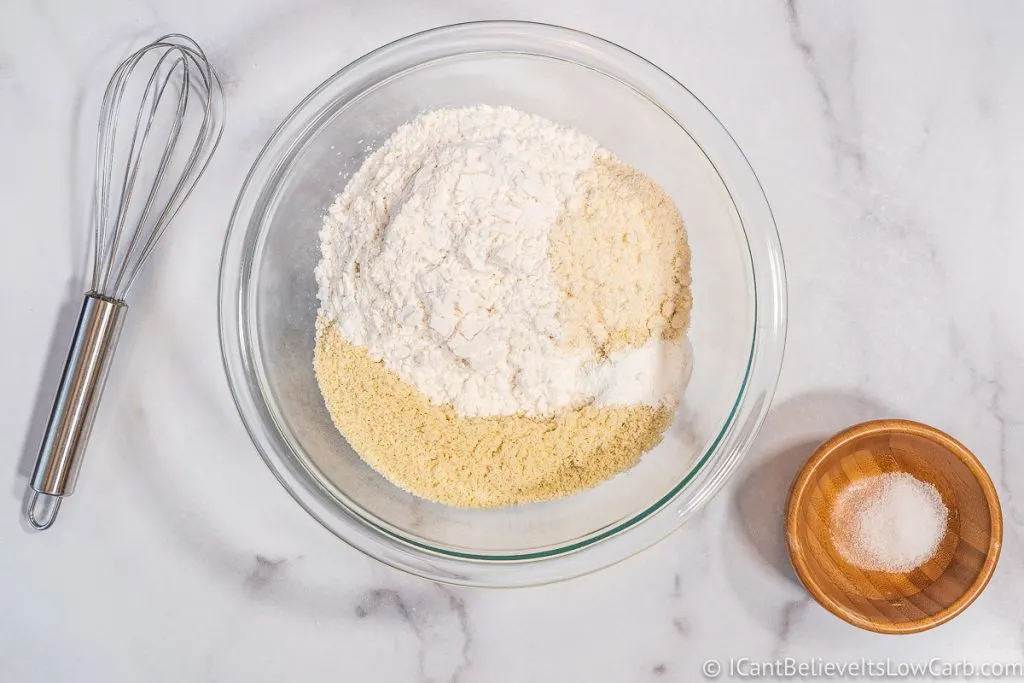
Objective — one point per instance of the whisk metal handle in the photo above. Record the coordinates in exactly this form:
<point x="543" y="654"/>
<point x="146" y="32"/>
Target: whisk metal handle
<point x="74" y="408"/>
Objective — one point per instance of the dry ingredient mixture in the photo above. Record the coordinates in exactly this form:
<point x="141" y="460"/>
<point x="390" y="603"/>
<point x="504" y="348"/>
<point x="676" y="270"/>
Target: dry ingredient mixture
<point x="503" y="309"/>
<point x="890" y="522"/>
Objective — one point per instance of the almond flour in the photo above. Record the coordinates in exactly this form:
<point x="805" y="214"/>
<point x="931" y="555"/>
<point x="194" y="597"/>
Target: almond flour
<point x="621" y="258"/>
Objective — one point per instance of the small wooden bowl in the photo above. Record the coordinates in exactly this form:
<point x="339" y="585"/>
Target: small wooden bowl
<point x="887" y="602"/>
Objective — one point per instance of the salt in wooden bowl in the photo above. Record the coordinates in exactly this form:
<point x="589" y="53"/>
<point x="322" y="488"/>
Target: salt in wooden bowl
<point x="887" y="602"/>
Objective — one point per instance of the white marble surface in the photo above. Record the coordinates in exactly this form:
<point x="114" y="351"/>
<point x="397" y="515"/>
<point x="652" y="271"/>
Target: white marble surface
<point x="889" y="138"/>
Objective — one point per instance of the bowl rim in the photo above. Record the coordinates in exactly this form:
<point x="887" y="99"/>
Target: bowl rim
<point x="807" y="474"/>
<point x="737" y="432"/>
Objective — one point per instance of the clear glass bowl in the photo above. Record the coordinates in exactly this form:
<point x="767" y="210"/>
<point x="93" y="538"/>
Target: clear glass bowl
<point x="268" y="299"/>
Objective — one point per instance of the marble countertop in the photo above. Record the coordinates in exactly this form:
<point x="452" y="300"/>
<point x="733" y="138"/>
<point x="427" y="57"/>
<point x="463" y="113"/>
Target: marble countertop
<point x="888" y="137"/>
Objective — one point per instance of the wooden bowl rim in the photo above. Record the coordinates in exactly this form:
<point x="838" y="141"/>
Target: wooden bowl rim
<point x="893" y="426"/>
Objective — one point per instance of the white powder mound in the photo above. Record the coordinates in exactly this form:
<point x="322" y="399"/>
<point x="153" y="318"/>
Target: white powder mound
<point x="435" y="258"/>
<point x="891" y="522"/>
<point x="653" y="374"/>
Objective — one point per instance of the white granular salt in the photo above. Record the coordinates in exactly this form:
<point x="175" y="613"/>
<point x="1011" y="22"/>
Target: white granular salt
<point x="435" y="259"/>
<point x="891" y="522"/>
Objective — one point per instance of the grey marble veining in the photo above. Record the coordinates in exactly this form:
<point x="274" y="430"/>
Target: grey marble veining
<point x="889" y="138"/>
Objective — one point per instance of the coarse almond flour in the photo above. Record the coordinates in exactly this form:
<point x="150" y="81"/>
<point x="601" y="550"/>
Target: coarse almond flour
<point x="503" y="309"/>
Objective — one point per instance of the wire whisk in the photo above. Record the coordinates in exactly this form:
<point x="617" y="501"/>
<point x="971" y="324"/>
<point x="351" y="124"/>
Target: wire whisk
<point x="144" y="173"/>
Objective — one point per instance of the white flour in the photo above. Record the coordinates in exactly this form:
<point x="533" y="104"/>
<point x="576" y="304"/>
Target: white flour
<point x="435" y="259"/>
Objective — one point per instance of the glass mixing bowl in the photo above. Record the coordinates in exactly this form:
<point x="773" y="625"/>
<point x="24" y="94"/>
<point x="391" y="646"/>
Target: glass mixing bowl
<point x="268" y="302"/>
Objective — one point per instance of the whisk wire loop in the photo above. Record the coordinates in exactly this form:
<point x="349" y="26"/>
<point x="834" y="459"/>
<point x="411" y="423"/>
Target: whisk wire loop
<point x="130" y="217"/>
